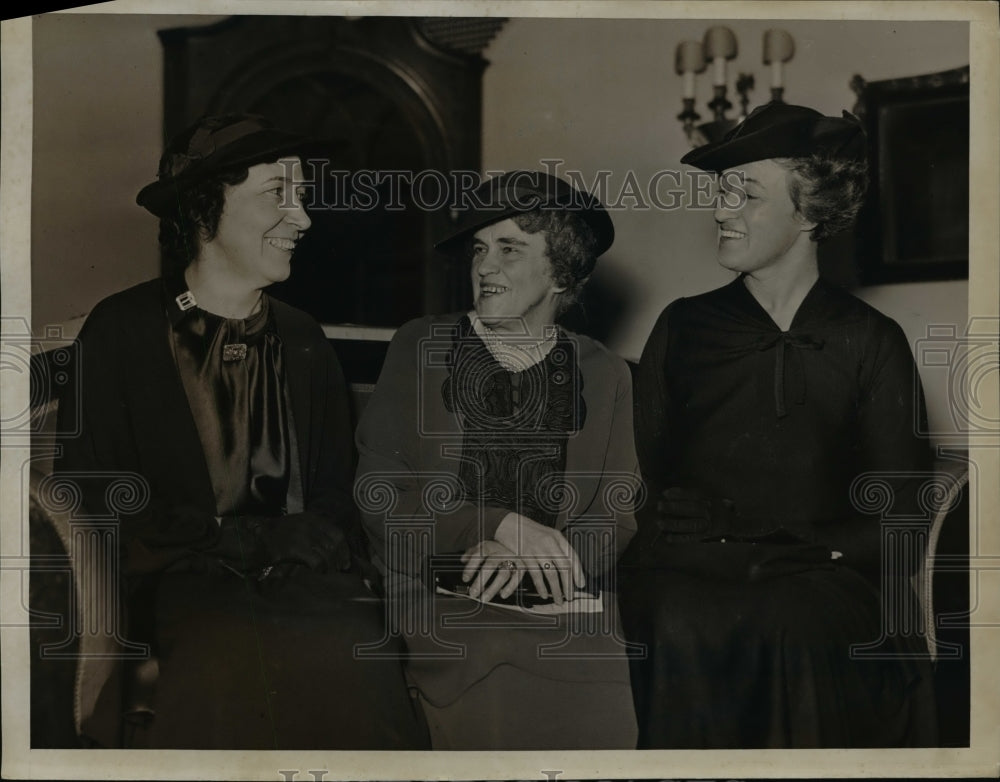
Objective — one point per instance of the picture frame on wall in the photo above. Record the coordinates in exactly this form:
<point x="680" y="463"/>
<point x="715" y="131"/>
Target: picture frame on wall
<point x="914" y="226"/>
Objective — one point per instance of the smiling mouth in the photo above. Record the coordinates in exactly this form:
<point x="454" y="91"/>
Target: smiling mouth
<point x="282" y="244"/>
<point x="491" y="290"/>
<point x="728" y="233"/>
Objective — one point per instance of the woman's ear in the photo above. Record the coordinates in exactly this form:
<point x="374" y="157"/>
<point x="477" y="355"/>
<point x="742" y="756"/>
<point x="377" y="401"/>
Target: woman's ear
<point x="795" y="186"/>
<point x="204" y="235"/>
<point x="806" y="224"/>
<point x="557" y="286"/>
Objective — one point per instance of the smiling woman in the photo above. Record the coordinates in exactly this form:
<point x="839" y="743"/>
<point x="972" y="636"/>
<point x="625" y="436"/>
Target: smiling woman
<point x="755" y="577"/>
<point x="261" y="221"/>
<point x="759" y="226"/>
<point x="512" y="279"/>
<point x="246" y="572"/>
<point x="512" y="437"/>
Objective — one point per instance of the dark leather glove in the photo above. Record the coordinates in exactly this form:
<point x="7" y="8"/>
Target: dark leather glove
<point x="251" y="543"/>
<point x="305" y="538"/>
<point x="694" y="515"/>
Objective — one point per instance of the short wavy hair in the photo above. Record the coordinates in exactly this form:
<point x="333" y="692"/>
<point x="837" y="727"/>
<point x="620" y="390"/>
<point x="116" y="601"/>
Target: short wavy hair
<point x="827" y="190"/>
<point x="570" y="246"/>
<point x="196" y="219"/>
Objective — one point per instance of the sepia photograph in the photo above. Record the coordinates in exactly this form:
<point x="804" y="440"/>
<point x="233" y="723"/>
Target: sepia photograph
<point x="511" y="390"/>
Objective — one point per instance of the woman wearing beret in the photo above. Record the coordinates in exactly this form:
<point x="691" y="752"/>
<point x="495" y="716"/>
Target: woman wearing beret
<point x="245" y="570"/>
<point x="505" y="441"/>
<point x="759" y="404"/>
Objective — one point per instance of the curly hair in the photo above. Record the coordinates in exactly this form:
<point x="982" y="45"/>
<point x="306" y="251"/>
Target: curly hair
<point x="196" y="219"/>
<point x="827" y="190"/>
<point x="570" y="246"/>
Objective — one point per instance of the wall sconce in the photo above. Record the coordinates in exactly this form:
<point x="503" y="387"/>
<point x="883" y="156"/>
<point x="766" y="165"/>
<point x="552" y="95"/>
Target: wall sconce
<point x="718" y="46"/>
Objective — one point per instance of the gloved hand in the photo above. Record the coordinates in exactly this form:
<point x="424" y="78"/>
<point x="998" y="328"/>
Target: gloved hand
<point x="693" y="514"/>
<point x="310" y="539"/>
<point x="305" y="538"/>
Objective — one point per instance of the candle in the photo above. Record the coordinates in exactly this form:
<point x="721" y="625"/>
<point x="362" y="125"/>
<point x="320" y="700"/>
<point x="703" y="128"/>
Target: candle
<point x="689" y="59"/>
<point x="719" y="71"/>
<point x="688" y="85"/>
<point x="720" y="45"/>
<point x="779" y="47"/>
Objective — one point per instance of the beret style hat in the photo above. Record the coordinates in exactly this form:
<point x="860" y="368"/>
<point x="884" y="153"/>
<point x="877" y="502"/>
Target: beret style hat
<point x="782" y="130"/>
<point x="518" y="192"/>
<point x="214" y="145"/>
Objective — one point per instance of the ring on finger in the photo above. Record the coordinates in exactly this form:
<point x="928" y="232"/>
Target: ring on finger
<point x="509" y="565"/>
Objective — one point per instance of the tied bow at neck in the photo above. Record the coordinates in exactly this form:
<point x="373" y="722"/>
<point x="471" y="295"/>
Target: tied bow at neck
<point x="781" y="342"/>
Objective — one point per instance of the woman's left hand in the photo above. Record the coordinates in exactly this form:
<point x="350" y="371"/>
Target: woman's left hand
<point x="499" y="570"/>
<point x="547" y="554"/>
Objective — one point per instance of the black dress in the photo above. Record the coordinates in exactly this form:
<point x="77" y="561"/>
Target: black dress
<point x="749" y="625"/>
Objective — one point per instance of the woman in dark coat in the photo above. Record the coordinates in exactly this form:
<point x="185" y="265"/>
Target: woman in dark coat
<point x="755" y="577"/>
<point x="245" y="570"/>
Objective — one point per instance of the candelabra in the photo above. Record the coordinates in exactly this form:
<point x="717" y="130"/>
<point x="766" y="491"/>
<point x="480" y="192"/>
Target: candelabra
<point x="718" y="47"/>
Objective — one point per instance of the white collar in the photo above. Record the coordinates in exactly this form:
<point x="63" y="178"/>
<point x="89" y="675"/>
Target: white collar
<point x="515" y="353"/>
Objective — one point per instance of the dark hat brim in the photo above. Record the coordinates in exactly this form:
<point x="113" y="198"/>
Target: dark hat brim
<point x="520" y="192"/>
<point x="162" y="196"/>
<point x="778" y="130"/>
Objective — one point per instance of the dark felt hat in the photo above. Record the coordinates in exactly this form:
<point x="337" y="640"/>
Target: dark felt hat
<point x="517" y="192"/>
<point x="214" y="145"/>
<point x="777" y="130"/>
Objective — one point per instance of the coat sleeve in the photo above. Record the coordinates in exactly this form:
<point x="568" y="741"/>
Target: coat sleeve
<point x="891" y="413"/>
<point x="102" y="460"/>
<point x="393" y="481"/>
<point x="328" y="474"/>
<point x="652" y="416"/>
<point x="331" y="473"/>
<point x="619" y="487"/>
